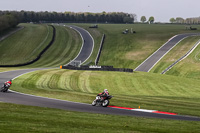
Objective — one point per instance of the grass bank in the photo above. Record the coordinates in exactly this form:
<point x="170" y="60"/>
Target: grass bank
<point x="129" y="50"/>
<point x="24" y="45"/>
<point x="66" y="46"/>
<point x="177" y="52"/>
<point x="189" y="67"/>
<point x="22" y="119"/>
<point x="147" y="90"/>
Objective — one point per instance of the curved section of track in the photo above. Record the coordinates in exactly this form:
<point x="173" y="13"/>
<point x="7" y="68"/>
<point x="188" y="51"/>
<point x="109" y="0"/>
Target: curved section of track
<point x="25" y="99"/>
<point x="87" y="46"/>
<point x="152" y="60"/>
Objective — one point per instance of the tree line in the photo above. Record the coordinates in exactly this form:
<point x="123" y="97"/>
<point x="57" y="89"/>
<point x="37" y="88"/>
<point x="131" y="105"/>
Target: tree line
<point x="150" y="20"/>
<point x="179" y="20"/>
<point x="87" y="17"/>
<point x="8" y="21"/>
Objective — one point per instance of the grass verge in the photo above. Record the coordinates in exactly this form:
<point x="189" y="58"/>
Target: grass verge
<point x="130" y="50"/>
<point x="23" y="119"/>
<point x="66" y="46"/>
<point x="155" y="91"/>
<point x="177" y="52"/>
<point x="24" y="45"/>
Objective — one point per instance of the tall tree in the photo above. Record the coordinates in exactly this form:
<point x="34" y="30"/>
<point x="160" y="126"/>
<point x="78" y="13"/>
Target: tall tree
<point x="151" y="19"/>
<point x="143" y="19"/>
<point x="172" y="20"/>
<point x="179" y="20"/>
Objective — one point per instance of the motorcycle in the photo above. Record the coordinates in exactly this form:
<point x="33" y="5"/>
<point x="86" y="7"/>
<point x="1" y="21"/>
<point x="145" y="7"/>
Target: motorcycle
<point x="5" y="88"/>
<point x="104" y="102"/>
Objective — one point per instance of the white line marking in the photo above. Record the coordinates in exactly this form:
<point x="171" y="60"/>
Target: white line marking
<point x="144" y="110"/>
<point x="155" y="52"/>
<point x="82" y="45"/>
<point x="165" y="53"/>
<point x="47" y="97"/>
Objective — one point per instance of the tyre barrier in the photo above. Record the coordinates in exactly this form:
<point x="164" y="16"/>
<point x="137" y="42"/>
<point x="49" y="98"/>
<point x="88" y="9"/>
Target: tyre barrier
<point x="40" y="54"/>
<point x="97" y="68"/>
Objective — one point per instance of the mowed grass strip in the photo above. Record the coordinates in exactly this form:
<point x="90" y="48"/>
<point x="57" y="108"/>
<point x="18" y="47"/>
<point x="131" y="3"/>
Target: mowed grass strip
<point x="155" y="91"/>
<point x="24" y="45"/>
<point x="66" y="46"/>
<point x="22" y="119"/>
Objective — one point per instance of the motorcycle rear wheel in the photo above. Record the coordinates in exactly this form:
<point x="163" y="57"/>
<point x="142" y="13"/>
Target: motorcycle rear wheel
<point x="105" y="103"/>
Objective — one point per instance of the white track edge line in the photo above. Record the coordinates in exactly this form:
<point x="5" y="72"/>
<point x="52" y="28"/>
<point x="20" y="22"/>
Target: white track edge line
<point x="82" y="44"/>
<point x="155" y="52"/>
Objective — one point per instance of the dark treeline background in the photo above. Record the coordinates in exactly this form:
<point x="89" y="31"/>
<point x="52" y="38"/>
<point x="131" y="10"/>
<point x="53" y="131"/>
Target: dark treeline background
<point x="12" y="18"/>
<point x="8" y="21"/>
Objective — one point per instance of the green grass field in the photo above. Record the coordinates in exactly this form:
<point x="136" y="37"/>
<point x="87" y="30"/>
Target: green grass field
<point x="24" y="45"/>
<point x="129" y="50"/>
<point x="181" y="49"/>
<point x="177" y="91"/>
<point x="23" y="119"/>
<point x="147" y="90"/>
<point x="65" y="48"/>
<point x="189" y="67"/>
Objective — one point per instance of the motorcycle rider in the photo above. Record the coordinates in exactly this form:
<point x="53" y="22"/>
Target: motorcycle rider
<point x="104" y="94"/>
<point x="8" y="83"/>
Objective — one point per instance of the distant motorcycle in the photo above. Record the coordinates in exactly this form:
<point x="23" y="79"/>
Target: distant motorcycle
<point x="5" y="87"/>
<point x="102" y="101"/>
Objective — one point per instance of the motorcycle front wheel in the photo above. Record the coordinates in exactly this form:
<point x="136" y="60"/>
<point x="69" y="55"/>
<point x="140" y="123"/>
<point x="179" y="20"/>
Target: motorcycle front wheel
<point x="94" y="103"/>
<point x="3" y="89"/>
<point x="105" y="103"/>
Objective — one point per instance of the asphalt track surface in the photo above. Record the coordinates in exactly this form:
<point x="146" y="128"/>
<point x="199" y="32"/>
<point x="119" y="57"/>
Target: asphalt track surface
<point x="150" y="62"/>
<point x="87" y="46"/>
<point x="25" y="99"/>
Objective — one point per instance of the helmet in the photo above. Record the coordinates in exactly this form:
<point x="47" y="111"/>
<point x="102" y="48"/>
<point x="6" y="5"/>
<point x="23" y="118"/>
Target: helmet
<point x="105" y="90"/>
<point x="10" y="80"/>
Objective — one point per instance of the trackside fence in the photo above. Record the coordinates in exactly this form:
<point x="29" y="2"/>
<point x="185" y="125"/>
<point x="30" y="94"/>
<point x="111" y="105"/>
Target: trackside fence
<point x="97" y="68"/>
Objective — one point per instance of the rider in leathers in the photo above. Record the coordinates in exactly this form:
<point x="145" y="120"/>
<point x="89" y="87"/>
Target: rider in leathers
<point x="9" y="83"/>
<point x="104" y="94"/>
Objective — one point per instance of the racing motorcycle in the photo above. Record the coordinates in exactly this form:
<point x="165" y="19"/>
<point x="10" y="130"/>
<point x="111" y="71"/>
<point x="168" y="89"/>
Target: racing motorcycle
<point x="102" y="101"/>
<point x="5" y="87"/>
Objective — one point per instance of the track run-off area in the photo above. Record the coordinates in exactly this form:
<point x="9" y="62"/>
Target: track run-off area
<point x="84" y="54"/>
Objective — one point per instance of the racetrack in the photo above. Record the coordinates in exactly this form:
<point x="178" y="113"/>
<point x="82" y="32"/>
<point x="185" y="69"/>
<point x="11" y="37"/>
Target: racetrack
<point x="25" y="99"/>
<point x="87" y="46"/>
<point x="152" y="60"/>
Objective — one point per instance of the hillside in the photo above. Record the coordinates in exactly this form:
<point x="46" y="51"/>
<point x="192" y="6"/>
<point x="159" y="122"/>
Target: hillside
<point x="129" y="50"/>
<point x="173" y="92"/>
<point x="26" y="45"/>
<point x="150" y="91"/>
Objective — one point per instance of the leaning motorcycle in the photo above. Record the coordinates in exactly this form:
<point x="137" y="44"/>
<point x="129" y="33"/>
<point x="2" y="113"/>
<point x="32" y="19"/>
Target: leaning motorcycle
<point x="5" y="88"/>
<point x="102" y="102"/>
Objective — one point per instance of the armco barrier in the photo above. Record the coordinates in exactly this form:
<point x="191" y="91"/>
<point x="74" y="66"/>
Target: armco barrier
<point x="100" y="49"/>
<point x="97" y="68"/>
<point x="40" y="54"/>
